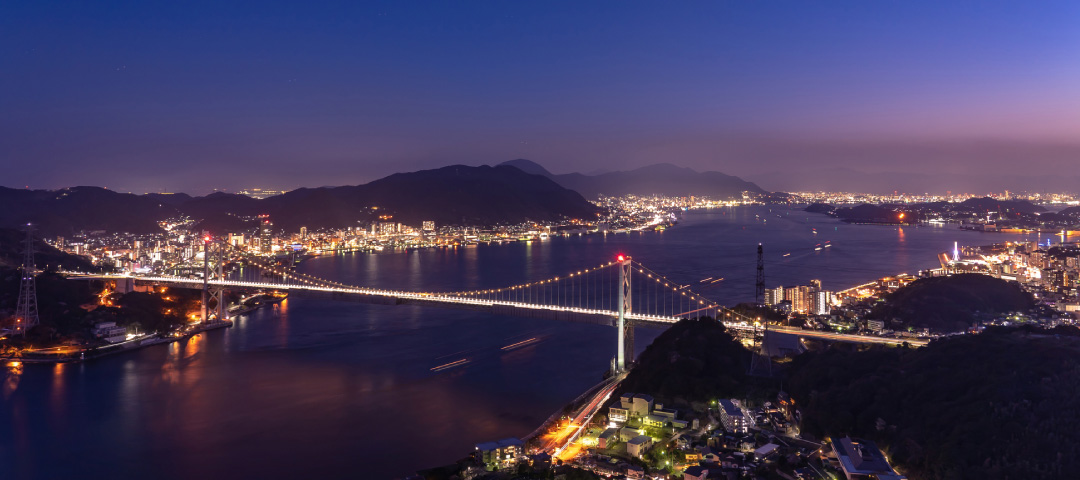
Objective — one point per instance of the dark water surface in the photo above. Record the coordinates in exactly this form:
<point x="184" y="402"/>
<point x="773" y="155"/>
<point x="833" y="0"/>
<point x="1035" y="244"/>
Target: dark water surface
<point x="341" y="390"/>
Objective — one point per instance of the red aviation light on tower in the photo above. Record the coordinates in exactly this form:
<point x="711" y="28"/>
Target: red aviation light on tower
<point x="207" y="238"/>
<point x="621" y="257"/>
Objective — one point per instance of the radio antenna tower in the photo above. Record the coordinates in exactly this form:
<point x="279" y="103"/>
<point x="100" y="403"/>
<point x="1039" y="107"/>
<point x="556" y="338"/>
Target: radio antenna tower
<point x="759" y="292"/>
<point x="26" y="312"/>
<point x="761" y="363"/>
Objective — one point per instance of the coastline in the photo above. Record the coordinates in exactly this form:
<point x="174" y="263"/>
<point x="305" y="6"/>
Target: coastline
<point x="122" y="347"/>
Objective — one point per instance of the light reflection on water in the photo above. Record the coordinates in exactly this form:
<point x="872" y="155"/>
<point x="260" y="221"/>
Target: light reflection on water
<point x="11" y="380"/>
<point x="312" y="388"/>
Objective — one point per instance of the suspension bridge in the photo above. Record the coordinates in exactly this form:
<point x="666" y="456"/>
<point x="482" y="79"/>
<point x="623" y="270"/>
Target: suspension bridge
<point x="621" y="293"/>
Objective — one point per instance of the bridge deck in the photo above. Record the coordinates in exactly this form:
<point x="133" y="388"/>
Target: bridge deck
<point x="518" y="309"/>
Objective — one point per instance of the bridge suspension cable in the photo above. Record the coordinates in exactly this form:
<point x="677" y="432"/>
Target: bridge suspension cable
<point x="591" y="290"/>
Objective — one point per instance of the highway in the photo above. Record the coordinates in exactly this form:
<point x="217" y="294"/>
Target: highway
<point x="848" y="337"/>
<point x="563" y="444"/>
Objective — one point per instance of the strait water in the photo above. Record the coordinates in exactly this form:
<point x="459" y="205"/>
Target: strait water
<point x="316" y="388"/>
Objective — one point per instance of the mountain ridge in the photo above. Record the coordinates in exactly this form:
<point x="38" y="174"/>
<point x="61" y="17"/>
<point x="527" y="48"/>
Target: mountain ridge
<point x="660" y="178"/>
<point x="451" y="195"/>
<point x="844" y="179"/>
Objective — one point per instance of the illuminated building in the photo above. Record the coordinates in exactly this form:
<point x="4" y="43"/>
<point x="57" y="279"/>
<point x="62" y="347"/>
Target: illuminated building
<point x="732" y="417"/>
<point x="500" y="454"/>
<point x="822" y="304"/>
<point x="774" y="296"/>
<point x="265" y="240"/>
<point x="607" y="438"/>
<point x="618" y="414"/>
<point x="389" y="228"/>
<point x="637" y="446"/>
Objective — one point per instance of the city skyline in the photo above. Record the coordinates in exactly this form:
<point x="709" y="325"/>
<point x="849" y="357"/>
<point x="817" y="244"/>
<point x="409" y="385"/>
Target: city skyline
<point x="488" y="240"/>
<point x="192" y="98"/>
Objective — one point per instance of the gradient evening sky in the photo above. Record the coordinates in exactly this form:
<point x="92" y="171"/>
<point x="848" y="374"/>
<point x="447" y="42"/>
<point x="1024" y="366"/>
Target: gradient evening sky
<point x="145" y="96"/>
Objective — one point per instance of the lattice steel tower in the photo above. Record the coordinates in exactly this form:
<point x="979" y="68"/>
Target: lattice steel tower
<point x="759" y="292"/>
<point x="761" y="362"/>
<point x="26" y="311"/>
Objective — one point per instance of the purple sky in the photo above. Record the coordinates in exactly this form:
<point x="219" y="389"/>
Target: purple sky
<point x="191" y="97"/>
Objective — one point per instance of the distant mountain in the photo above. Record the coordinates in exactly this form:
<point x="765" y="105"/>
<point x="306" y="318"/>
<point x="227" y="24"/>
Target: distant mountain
<point x="821" y="208"/>
<point x="988" y="204"/>
<point x="170" y="198"/>
<point x="454" y="195"/>
<point x="68" y="210"/>
<point x="451" y="195"/>
<point x="1070" y="212"/>
<point x="915" y="212"/>
<point x="849" y="180"/>
<point x="529" y="166"/>
<point x="662" y="179"/>
<point x="866" y="213"/>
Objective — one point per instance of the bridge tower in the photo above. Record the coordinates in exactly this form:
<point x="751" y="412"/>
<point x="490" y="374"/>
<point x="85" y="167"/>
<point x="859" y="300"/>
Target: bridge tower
<point x="625" y="353"/>
<point x="216" y="294"/>
<point x="26" y="310"/>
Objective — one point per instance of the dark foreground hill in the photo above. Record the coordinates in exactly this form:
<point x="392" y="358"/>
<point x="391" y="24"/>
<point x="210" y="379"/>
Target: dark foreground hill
<point x="58" y="299"/>
<point x="661" y="179"/>
<point x="999" y="405"/>
<point x="451" y="195"/>
<point x="953" y="303"/>
<point x="695" y="360"/>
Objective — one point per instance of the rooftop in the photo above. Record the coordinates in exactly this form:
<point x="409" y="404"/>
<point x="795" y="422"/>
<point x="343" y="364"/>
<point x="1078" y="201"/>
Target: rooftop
<point x="861" y="457"/>
<point x="730" y="408"/>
